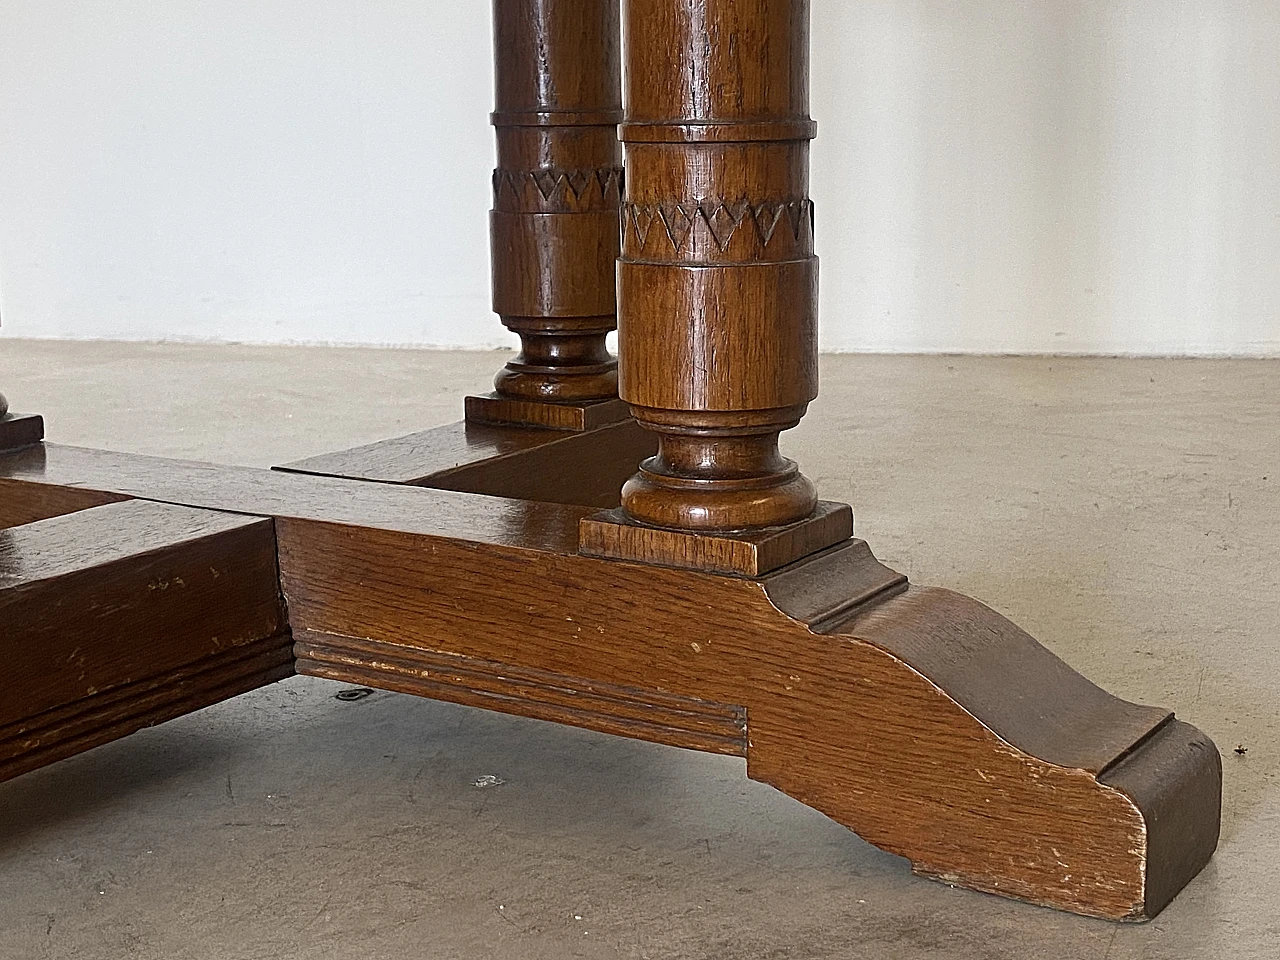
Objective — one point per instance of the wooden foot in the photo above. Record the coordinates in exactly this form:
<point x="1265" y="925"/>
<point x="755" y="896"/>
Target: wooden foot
<point x="121" y="616"/>
<point x="919" y="718"/>
<point x="923" y="721"/>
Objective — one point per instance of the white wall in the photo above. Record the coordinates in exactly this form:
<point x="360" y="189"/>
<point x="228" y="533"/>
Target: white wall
<point x="991" y="175"/>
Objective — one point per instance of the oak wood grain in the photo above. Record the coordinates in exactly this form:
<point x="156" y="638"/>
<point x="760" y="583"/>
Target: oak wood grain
<point x="625" y="711"/>
<point x="134" y="589"/>
<point x="536" y="526"/>
<point x="1000" y="787"/>
<point x="22" y="503"/>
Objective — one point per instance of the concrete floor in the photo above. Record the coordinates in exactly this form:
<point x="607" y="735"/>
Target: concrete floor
<point x="1126" y="512"/>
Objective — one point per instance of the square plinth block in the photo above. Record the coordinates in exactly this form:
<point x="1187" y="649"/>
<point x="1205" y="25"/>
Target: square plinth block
<point x="579" y="416"/>
<point x="744" y="553"/>
<point x="20" y="430"/>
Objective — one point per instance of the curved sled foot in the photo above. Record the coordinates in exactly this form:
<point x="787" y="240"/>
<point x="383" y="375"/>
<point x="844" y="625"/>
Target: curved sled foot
<point x="941" y="732"/>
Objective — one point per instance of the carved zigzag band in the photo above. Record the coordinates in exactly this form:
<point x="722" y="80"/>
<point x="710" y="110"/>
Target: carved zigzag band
<point x="549" y="190"/>
<point x="683" y="228"/>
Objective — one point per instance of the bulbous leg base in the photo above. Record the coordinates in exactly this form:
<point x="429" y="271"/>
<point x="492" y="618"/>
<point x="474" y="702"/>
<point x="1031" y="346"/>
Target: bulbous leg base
<point x="521" y="381"/>
<point x="685" y="503"/>
<point x="561" y="360"/>
<point x="717" y="471"/>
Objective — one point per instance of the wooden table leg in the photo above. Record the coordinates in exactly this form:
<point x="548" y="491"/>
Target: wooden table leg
<point x="718" y="282"/>
<point x="554" y="225"/>
<point x="554" y="233"/>
<point x="717" y="287"/>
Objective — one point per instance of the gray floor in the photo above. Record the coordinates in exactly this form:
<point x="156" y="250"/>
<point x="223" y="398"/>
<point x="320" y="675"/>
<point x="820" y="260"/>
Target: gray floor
<point x="1126" y="512"/>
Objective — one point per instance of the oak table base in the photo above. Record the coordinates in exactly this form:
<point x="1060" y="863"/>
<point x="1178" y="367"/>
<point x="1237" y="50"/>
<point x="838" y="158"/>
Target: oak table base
<point x="447" y="564"/>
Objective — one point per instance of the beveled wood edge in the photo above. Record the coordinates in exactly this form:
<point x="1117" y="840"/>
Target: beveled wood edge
<point x="1002" y="676"/>
<point x="84" y="713"/>
<point x="827" y="589"/>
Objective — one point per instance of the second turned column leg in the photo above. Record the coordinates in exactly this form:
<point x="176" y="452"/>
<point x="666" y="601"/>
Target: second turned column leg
<point x="556" y="190"/>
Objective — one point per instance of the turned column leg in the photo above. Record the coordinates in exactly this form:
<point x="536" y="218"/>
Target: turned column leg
<point x="717" y="288"/>
<point x="556" y="190"/>
<point x="717" y="285"/>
